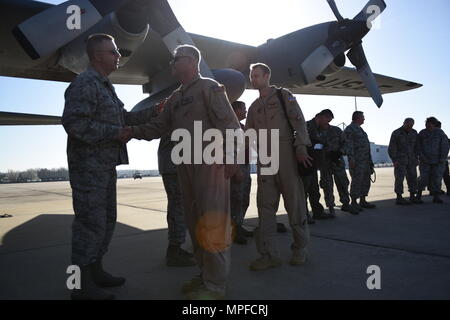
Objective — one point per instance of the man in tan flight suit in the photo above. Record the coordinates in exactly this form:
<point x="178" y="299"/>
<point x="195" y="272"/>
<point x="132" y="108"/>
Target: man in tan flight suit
<point x="267" y="113"/>
<point x="205" y="187"/>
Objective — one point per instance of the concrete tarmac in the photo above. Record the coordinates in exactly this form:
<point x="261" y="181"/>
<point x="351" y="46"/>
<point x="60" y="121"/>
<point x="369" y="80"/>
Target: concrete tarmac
<point x="409" y="244"/>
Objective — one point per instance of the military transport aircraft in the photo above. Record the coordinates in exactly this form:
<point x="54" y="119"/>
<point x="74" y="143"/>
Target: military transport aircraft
<point x="39" y="41"/>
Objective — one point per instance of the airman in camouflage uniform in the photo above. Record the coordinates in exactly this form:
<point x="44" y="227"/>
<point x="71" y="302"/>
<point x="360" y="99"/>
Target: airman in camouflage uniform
<point x="403" y="153"/>
<point x="357" y="148"/>
<point x="175" y="255"/>
<point x="94" y="119"/>
<point x="334" y="167"/>
<point x="205" y="187"/>
<point x="267" y="113"/>
<point x="311" y="181"/>
<point x="447" y="176"/>
<point x="240" y="189"/>
<point x="433" y="150"/>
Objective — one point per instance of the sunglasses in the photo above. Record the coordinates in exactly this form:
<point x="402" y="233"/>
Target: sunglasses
<point x="113" y="51"/>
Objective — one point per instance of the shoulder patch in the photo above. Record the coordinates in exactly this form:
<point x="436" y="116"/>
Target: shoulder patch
<point x="292" y="99"/>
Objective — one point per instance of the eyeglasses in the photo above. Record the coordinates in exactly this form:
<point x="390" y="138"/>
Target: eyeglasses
<point x="177" y="58"/>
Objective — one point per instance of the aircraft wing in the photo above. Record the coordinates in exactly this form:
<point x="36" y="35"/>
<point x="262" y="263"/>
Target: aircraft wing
<point x="148" y="65"/>
<point x="347" y="82"/>
<point x="22" y="119"/>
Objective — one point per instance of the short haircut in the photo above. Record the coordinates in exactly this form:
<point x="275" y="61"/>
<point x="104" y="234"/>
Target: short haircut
<point x="357" y="114"/>
<point x="408" y="120"/>
<point x="433" y="121"/>
<point x="439" y="124"/>
<point x="327" y="113"/>
<point x="237" y="104"/>
<point x="94" y="40"/>
<point x="186" y="48"/>
<point x="264" y="67"/>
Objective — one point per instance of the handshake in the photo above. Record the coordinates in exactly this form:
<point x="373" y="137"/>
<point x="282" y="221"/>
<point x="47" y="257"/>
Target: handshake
<point x="125" y="134"/>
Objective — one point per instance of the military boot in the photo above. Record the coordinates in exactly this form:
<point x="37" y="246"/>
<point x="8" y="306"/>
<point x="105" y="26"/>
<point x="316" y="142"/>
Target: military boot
<point x="245" y="232"/>
<point x="320" y="214"/>
<point x="310" y="219"/>
<point x="366" y="205"/>
<point x="177" y="257"/>
<point x="281" y="228"/>
<point x="265" y="262"/>
<point x="354" y="207"/>
<point x="89" y="290"/>
<point x="415" y="199"/>
<point x="401" y="201"/>
<point x="345" y="207"/>
<point x="419" y="197"/>
<point x="203" y="293"/>
<point x="331" y="213"/>
<point x="298" y="257"/>
<point x="191" y="285"/>
<point x="102" y="278"/>
<point x="437" y="199"/>
<point x="239" y="236"/>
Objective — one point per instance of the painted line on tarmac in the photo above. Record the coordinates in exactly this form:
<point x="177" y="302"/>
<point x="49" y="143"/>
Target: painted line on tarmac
<point x="436" y="255"/>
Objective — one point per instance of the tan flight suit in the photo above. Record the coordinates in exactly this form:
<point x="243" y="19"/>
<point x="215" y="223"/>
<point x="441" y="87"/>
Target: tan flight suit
<point x="267" y="113"/>
<point x="205" y="191"/>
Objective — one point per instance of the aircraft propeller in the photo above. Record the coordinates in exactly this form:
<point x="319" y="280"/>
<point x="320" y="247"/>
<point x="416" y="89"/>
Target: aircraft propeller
<point x="346" y="35"/>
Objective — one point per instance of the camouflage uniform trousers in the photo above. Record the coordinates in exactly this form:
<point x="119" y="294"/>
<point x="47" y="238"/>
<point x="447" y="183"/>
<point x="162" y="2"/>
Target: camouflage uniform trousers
<point x="175" y="212"/>
<point x="336" y="171"/>
<point x="408" y="170"/>
<point x="240" y="195"/>
<point x="360" y="184"/>
<point x="431" y="176"/>
<point x="311" y="183"/>
<point x="446" y="176"/>
<point x="95" y="207"/>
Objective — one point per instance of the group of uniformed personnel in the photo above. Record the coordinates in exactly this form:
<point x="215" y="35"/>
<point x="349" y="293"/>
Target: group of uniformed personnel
<point x="210" y="199"/>
<point x="428" y="150"/>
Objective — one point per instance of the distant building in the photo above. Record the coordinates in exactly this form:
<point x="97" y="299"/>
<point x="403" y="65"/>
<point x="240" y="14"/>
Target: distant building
<point x="379" y="154"/>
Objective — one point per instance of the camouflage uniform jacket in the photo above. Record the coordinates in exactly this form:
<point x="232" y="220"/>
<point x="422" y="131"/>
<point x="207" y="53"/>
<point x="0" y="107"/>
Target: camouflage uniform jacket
<point x="93" y="115"/>
<point x="334" y="143"/>
<point x="403" y="146"/>
<point x="356" y="144"/>
<point x="432" y="146"/>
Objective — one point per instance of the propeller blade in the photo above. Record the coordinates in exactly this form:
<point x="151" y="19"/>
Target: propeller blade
<point x="371" y="11"/>
<point x="22" y="119"/>
<point x="335" y="10"/>
<point x="358" y="59"/>
<point x="163" y="20"/>
<point x="49" y="30"/>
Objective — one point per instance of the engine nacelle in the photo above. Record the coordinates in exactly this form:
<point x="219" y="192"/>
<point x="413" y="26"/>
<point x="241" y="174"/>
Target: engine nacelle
<point x="233" y="80"/>
<point x="335" y="66"/>
<point x="74" y="57"/>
